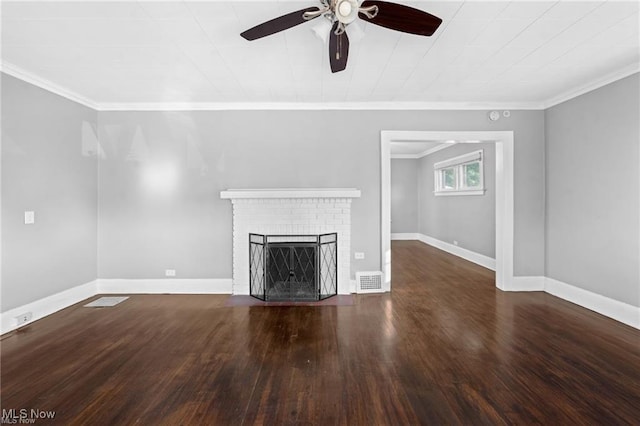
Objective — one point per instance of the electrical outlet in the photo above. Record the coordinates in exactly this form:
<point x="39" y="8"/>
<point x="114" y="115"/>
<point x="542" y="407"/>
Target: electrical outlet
<point x="170" y="272"/>
<point x="455" y="243"/>
<point x="359" y="255"/>
<point x="24" y="318"/>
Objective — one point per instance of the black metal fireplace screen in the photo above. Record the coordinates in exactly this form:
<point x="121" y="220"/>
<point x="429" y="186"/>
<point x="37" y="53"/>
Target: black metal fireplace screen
<point x="293" y="267"/>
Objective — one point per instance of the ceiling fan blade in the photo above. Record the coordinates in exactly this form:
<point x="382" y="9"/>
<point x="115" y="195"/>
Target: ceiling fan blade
<point x="401" y="18"/>
<point x="278" y="24"/>
<point x="338" y="49"/>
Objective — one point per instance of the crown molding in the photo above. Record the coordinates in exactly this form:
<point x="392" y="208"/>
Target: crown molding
<point x="317" y="106"/>
<point x="45" y="84"/>
<point x="424" y="153"/>
<point x="593" y="85"/>
<point x="404" y="156"/>
<point x="24" y="75"/>
<point x="436" y="148"/>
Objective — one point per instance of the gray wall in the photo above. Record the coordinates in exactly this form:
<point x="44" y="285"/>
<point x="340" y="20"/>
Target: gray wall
<point x="189" y="228"/>
<point x="471" y="219"/>
<point x="404" y="195"/>
<point x="592" y="191"/>
<point x="44" y="169"/>
<point x="591" y="228"/>
<point x="183" y="224"/>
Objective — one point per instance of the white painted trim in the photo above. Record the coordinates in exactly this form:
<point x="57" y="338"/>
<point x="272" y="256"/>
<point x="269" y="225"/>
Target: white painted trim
<point x="423" y="153"/>
<point x="165" y="286"/>
<point x="504" y="142"/>
<point x="291" y="193"/>
<point x="453" y="193"/>
<point x="405" y="156"/>
<point x="591" y="86"/>
<point x="405" y="236"/>
<point x="320" y="106"/>
<point x="24" y="75"/>
<point x="43" y="83"/>
<point x="47" y="305"/>
<point x="471" y="256"/>
<point x="385" y="205"/>
<point x="606" y="306"/>
<point x="41" y="308"/>
<point x="435" y="149"/>
<point x="459" y="160"/>
<point x="527" y="284"/>
<point x="56" y="302"/>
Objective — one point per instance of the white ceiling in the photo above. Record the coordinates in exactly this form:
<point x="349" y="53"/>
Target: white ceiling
<point x="413" y="149"/>
<point x="140" y="52"/>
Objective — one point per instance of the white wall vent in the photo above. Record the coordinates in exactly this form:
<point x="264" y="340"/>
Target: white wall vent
<point x="369" y="282"/>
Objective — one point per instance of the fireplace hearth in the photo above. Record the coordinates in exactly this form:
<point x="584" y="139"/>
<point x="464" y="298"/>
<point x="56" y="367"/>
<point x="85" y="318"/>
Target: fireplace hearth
<point x="293" y="267"/>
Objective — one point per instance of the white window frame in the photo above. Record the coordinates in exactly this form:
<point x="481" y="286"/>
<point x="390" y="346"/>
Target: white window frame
<point x="458" y="163"/>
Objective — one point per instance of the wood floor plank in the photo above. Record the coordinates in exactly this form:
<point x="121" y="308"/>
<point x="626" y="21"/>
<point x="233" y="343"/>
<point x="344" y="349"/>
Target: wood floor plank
<point x="445" y="347"/>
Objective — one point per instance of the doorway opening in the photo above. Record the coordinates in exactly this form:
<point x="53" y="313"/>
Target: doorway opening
<point x="504" y="151"/>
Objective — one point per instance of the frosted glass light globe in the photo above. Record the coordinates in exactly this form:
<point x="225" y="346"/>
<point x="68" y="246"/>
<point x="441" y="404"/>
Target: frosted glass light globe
<point x="345" y="8"/>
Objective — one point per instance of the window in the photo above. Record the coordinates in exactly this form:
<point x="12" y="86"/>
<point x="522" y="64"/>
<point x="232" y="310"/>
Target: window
<point x="461" y="175"/>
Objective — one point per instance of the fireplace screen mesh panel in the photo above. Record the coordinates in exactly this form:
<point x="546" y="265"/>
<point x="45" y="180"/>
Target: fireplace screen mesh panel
<point x="256" y="265"/>
<point x="291" y="272"/>
<point x="328" y="260"/>
<point x="293" y="267"/>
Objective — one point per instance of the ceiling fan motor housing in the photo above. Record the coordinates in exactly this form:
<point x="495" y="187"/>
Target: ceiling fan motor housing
<point x="345" y="11"/>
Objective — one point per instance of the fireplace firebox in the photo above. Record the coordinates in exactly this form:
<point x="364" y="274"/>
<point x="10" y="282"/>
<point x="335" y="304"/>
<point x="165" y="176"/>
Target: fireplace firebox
<point x="293" y="267"/>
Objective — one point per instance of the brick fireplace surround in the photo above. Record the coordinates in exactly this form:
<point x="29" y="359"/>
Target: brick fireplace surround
<point x="301" y="211"/>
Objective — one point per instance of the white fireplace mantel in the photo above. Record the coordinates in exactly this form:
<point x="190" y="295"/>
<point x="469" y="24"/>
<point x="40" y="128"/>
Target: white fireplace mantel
<point x="290" y="193"/>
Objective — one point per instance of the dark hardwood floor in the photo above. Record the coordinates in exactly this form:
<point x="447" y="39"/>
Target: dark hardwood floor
<point x="446" y="347"/>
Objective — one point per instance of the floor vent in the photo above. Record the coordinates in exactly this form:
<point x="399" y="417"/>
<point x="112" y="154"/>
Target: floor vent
<point x="369" y="282"/>
<point x="105" y="302"/>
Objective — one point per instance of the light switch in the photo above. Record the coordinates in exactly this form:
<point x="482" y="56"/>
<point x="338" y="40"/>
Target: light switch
<point x="29" y="218"/>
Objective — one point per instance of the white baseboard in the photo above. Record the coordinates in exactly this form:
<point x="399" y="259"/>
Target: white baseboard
<point x="56" y="302"/>
<point x="606" y="306"/>
<point x="165" y="286"/>
<point x="41" y="308"/>
<point x="47" y="306"/>
<point x="469" y="255"/>
<point x="405" y="236"/>
<point x="527" y="284"/>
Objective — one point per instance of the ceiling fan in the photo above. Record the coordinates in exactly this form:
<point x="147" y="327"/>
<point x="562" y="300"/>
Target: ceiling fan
<point x="343" y="12"/>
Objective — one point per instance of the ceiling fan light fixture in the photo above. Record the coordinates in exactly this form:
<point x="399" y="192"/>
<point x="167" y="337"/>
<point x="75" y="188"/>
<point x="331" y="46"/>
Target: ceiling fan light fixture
<point x="345" y="8"/>
<point x="341" y="13"/>
<point x="346" y="11"/>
